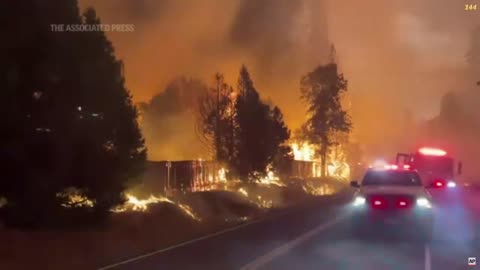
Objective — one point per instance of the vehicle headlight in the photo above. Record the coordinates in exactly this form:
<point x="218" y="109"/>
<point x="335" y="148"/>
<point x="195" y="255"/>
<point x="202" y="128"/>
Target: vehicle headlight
<point x="359" y="200"/>
<point x="424" y="202"/>
<point x="451" y="184"/>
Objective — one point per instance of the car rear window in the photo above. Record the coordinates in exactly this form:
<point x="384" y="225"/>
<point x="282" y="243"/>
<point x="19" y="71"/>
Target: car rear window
<point x="391" y="178"/>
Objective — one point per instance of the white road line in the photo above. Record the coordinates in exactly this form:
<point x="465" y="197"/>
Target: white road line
<point x="428" y="258"/>
<point x="179" y="245"/>
<point x="263" y="260"/>
<point x="195" y="240"/>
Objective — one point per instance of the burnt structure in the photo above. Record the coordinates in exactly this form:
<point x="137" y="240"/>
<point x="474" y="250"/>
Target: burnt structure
<point x="193" y="175"/>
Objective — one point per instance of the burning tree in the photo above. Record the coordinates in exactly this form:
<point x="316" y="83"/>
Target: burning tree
<point x="243" y="132"/>
<point x="322" y="90"/>
<point x="216" y="123"/>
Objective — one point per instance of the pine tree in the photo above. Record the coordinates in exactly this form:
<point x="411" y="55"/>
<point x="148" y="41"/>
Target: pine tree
<point x="261" y="130"/>
<point x="71" y="122"/>
<point x="321" y="90"/>
<point x="216" y="120"/>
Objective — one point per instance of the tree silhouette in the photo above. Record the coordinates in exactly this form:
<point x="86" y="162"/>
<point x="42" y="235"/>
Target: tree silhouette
<point x="69" y="121"/>
<point x="321" y="90"/>
<point x="217" y="120"/>
<point x="244" y="133"/>
<point x="261" y="131"/>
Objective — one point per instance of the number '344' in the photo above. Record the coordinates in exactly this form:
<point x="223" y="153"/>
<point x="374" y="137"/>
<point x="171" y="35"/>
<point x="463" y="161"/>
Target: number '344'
<point x="471" y="7"/>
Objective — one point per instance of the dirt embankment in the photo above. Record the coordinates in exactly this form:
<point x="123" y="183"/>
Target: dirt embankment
<point x="163" y="224"/>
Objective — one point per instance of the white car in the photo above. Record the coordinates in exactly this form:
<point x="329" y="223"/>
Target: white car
<point x="392" y="197"/>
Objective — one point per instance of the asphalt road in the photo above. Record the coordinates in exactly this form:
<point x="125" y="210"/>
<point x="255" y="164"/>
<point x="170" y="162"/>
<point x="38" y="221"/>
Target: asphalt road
<point x="317" y="236"/>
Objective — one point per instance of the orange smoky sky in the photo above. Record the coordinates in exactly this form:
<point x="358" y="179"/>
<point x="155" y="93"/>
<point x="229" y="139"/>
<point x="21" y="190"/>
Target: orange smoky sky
<point x="399" y="57"/>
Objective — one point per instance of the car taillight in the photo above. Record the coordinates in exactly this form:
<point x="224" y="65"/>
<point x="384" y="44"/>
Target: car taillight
<point x="378" y="203"/>
<point x="402" y="203"/>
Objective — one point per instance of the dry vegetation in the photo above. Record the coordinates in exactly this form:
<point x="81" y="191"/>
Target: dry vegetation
<point x="160" y="224"/>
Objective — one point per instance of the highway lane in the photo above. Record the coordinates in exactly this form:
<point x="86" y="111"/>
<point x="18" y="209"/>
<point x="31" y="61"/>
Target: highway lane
<point x="318" y="237"/>
<point x="337" y="248"/>
<point x="232" y="249"/>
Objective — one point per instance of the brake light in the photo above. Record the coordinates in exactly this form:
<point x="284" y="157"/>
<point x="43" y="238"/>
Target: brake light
<point x="438" y="183"/>
<point x="406" y="167"/>
<point x="378" y="203"/>
<point x="432" y="151"/>
<point x="402" y="203"/>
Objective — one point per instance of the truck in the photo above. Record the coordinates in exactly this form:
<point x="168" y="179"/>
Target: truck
<point x="436" y="168"/>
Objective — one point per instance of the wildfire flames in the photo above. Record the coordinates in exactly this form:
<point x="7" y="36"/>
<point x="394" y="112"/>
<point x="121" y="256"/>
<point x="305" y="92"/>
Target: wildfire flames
<point x="264" y="203"/>
<point x="271" y="178"/>
<point x="243" y="192"/>
<point x="75" y="199"/>
<point x="222" y="175"/>
<point x="336" y="166"/>
<point x="336" y="160"/>
<point x="135" y="204"/>
<point x="318" y="191"/>
<point x="258" y="200"/>
<point x="142" y="205"/>
<point x="303" y="151"/>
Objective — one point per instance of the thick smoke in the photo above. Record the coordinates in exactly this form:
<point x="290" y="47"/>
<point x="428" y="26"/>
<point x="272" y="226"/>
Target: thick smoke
<point x="400" y="56"/>
<point x="279" y="40"/>
<point x="168" y="121"/>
